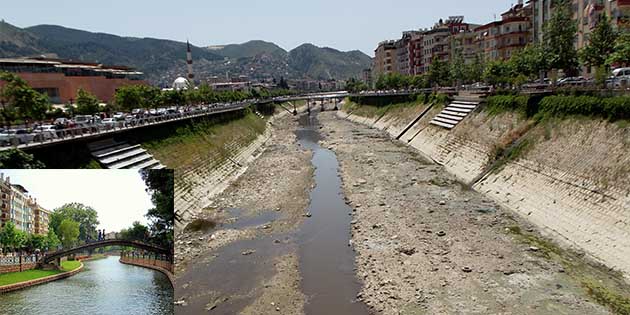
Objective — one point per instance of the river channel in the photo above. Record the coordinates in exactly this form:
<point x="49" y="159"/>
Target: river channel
<point x="104" y="287"/>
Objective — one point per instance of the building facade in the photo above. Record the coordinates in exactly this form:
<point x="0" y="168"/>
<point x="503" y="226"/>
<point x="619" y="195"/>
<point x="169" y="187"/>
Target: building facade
<point x="384" y="58"/>
<point x="21" y="209"/>
<point x="499" y="40"/>
<point x="60" y="79"/>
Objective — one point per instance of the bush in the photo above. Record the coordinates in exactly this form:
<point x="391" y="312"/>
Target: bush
<point x="612" y="108"/>
<point x="503" y="103"/>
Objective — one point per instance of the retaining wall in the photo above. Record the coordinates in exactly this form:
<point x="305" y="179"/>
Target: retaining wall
<point x="573" y="181"/>
<point x="195" y="188"/>
<point x="30" y="283"/>
<point x="159" y="265"/>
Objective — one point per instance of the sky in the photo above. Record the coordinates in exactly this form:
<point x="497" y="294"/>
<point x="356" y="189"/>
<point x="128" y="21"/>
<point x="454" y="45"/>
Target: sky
<point x="341" y="24"/>
<point x="118" y="196"/>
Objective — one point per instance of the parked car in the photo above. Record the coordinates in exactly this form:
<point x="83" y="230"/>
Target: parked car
<point x="109" y="123"/>
<point x="620" y="78"/>
<point x="45" y="132"/>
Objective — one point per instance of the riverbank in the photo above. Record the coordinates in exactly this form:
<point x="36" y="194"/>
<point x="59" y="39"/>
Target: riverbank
<point x="249" y="222"/>
<point x="19" y="280"/>
<point x="150" y="264"/>
<point x="427" y="244"/>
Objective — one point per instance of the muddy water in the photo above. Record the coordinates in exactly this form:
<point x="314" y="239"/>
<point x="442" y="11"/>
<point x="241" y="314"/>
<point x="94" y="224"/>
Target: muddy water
<point x="326" y="260"/>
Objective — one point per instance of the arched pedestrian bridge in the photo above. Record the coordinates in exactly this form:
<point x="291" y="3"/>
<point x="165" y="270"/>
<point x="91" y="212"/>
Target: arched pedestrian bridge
<point x="55" y="257"/>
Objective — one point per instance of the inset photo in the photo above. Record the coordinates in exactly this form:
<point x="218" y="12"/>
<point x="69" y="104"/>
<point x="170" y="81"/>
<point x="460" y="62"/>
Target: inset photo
<point x="86" y="242"/>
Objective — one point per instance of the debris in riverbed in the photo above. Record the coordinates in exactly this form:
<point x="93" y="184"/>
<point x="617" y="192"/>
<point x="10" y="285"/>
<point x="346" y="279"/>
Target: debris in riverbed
<point x="248" y="252"/>
<point x="441" y="233"/>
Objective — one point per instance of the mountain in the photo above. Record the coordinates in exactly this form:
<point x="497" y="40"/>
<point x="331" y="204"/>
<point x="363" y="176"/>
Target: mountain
<point x="164" y="60"/>
<point x="327" y="63"/>
<point x="16" y="42"/>
<point x="249" y="49"/>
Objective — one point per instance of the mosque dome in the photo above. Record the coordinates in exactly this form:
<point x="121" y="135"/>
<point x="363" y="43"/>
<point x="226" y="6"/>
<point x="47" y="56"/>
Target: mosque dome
<point x="181" y="84"/>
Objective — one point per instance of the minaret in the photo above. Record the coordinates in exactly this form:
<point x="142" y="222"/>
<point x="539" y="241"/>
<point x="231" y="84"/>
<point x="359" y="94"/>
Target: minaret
<point x="189" y="61"/>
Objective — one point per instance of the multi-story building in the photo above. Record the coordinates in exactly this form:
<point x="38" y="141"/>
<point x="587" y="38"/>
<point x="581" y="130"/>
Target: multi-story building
<point x="499" y="40"/>
<point x="41" y="219"/>
<point x="384" y="58"/>
<point x="463" y="44"/>
<point x="60" y="79"/>
<point x="436" y="42"/>
<point x="21" y="209"/>
<point x="415" y="52"/>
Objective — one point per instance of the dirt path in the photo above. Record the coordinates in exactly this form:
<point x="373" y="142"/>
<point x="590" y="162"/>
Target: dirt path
<point x="256" y="211"/>
<point x="427" y="245"/>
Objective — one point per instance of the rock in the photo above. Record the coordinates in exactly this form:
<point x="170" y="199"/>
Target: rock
<point x="407" y="250"/>
<point x="466" y="269"/>
<point x="308" y="215"/>
<point x="442" y="202"/>
<point x="534" y="248"/>
<point x="441" y="233"/>
<point x="248" y="252"/>
<point x="181" y="302"/>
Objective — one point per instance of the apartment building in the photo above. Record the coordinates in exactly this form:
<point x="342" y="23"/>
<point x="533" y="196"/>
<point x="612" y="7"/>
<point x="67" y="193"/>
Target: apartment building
<point x="21" y="209"/>
<point x="415" y="52"/>
<point x="465" y="45"/>
<point x="384" y="58"/>
<point x="499" y="40"/>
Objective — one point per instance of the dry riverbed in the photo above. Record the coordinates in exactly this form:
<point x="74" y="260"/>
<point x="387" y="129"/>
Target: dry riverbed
<point x="428" y="245"/>
<point x="268" y="200"/>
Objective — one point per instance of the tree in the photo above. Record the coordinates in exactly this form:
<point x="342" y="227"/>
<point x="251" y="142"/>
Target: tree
<point x="439" y="72"/>
<point x="497" y="72"/>
<point x="160" y="186"/>
<point x="8" y="237"/>
<point x="457" y="68"/>
<point x="558" y="38"/>
<point x="474" y="70"/>
<point x="283" y="84"/>
<point x="621" y="54"/>
<point x="52" y="241"/>
<point x="87" y="104"/>
<point x="137" y="232"/>
<point x="69" y="232"/>
<point x="36" y="242"/>
<point x="85" y="216"/>
<point x="18" y="159"/>
<point x="20" y="101"/>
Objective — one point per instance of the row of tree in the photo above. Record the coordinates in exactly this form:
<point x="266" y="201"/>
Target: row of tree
<point x="607" y="47"/>
<point x="20" y="103"/>
<point x="160" y="185"/>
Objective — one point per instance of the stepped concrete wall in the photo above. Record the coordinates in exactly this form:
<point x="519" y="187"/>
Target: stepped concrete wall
<point x="573" y="182"/>
<point x="194" y="188"/>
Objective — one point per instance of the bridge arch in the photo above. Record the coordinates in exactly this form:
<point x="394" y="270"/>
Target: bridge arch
<point x="55" y="257"/>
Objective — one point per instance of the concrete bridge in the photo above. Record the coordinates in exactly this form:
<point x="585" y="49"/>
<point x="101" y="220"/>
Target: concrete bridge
<point x="94" y="133"/>
<point x="54" y="258"/>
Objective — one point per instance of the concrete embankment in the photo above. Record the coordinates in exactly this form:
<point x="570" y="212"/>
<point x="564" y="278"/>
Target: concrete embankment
<point x="30" y="283"/>
<point x="158" y="265"/>
<point x="569" y="177"/>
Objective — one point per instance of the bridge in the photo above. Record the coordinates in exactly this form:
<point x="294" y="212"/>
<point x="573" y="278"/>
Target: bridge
<point x="54" y="258"/>
<point x="96" y="132"/>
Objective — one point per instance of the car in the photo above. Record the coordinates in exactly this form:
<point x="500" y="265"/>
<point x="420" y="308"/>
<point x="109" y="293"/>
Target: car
<point x="109" y="122"/>
<point x="46" y="132"/>
<point x="621" y="78"/>
<point x="119" y="116"/>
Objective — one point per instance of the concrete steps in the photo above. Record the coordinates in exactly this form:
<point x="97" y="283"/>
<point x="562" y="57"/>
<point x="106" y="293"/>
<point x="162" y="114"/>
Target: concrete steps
<point x="121" y="155"/>
<point x="455" y="112"/>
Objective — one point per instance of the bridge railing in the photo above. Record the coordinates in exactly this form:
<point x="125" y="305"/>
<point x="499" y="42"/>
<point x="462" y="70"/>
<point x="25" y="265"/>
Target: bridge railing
<point x="148" y="259"/>
<point x="59" y="135"/>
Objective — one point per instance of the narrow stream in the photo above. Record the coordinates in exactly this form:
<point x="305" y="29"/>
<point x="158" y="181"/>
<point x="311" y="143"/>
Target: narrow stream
<point x="326" y="260"/>
<point x="226" y="282"/>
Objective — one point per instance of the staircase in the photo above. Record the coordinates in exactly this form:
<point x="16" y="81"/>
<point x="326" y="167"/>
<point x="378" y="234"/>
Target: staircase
<point x="121" y="155"/>
<point x="462" y="105"/>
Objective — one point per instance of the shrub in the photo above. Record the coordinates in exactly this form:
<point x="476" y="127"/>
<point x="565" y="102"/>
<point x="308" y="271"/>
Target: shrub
<point x="612" y="108"/>
<point x="503" y="103"/>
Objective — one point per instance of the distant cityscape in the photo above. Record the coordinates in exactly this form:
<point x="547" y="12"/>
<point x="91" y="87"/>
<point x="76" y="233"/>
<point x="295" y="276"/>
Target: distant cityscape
<point x="519" y="26"/>
<point x="21" y="209"/>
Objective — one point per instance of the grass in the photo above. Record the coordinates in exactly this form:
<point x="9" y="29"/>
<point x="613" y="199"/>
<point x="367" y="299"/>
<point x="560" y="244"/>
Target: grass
<point x="16" y="277"/>
<point x="606" y="287"/>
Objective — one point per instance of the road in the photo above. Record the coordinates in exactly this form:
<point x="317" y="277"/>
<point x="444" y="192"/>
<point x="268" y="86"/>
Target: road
<point x="336" y="218"/>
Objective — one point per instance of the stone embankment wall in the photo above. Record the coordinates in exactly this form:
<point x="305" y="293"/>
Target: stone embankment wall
<point x="26" y="284"/>
<point x="196" y="186"/>
<point x="164" y="267"/>
<point x="17" y="263"/>
<point x="572" y="179"/>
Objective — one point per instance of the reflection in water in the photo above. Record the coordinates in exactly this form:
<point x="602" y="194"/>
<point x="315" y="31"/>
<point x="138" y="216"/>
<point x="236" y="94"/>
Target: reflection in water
<point x="104" y="287"/>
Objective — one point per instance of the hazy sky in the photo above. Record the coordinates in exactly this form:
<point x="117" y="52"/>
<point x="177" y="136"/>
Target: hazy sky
<point x="341" y="24"/>
<point x="118" y="196"/>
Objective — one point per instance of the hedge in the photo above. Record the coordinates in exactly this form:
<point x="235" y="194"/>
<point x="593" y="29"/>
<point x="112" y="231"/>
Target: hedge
<point x="612" y="108"/>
